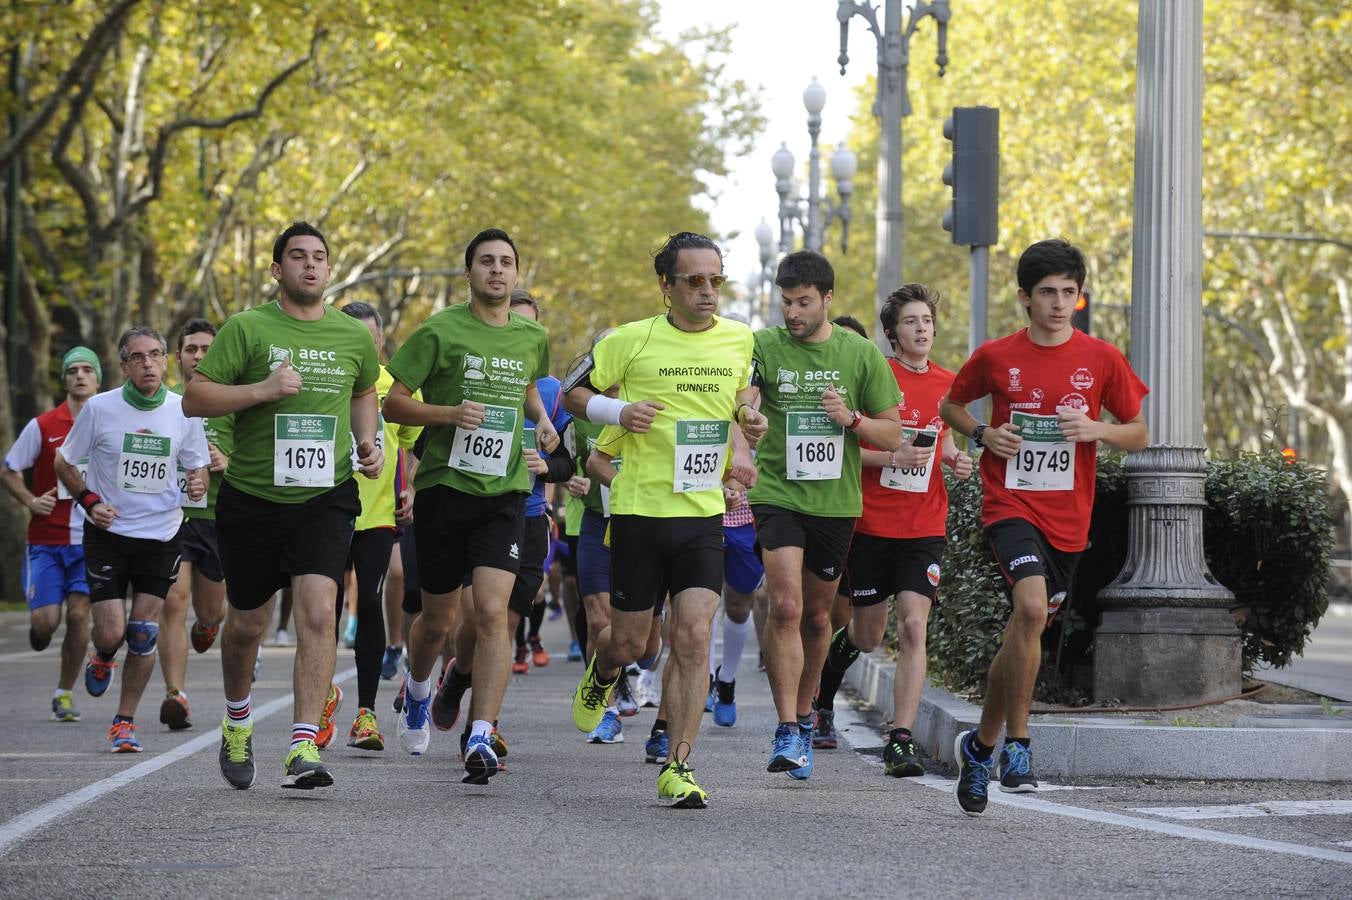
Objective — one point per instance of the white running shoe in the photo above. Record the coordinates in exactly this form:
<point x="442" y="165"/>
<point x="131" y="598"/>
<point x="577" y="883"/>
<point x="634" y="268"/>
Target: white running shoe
<point x="648" y="690"/>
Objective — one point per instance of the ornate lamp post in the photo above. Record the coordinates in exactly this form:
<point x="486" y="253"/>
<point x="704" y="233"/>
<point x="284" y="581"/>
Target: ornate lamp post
<point x="819" y="211"/>
<point x="892" y="104"/>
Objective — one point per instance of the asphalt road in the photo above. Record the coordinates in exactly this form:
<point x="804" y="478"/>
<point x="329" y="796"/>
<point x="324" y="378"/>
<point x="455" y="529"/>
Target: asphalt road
<point x="1325" y="666"/>
<point x="576" y="820"/>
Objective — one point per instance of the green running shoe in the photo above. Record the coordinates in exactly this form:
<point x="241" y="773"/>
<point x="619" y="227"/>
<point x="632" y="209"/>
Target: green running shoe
<point x="676" y="782"/>
<point x="304" y="769"/>
<point x="237" y="759"/>
<point x="590" y="699"/>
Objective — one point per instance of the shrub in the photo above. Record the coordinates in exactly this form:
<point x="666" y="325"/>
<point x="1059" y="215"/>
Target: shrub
<point x="1268" y="534"/>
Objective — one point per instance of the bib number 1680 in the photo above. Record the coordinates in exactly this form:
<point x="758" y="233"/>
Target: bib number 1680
<point x="816" y="451"/>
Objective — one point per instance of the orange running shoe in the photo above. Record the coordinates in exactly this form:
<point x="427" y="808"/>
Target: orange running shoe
<point x="519" y="666"/>
<point x="539" y="656"/>
<point x="326" y="726"/>
<point x="123" y="737"/>
<point x="203" y="636"/>
<point x="365" y="733"/>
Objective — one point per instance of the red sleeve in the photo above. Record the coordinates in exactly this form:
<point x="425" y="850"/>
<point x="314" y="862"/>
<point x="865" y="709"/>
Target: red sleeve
<point x="971" y="382"/>
<point x="1125" y="390"/>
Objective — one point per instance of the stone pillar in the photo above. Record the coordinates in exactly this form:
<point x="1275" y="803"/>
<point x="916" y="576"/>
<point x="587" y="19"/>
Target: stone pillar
<point x="1167" y="635"/>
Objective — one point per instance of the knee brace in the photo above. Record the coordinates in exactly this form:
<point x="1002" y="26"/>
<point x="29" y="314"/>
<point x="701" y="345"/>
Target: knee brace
<point x="141" y="637"/>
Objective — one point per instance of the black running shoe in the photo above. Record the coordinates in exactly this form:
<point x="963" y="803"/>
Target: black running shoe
<point x="974" y="775"/>
<point x="446" y="702"/>
<point x="900" y="759"/>
<point x="1016" y="769"/>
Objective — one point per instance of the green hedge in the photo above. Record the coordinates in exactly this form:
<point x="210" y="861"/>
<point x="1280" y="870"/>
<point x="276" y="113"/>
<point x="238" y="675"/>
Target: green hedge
<point x="1268" y="533"/>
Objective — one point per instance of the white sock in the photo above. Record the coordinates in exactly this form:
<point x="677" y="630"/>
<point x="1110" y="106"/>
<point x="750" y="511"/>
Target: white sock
<point x="713" y="642"/>
<point x="420" y="690"/>
<point x="481" y="728"/>
<point x="61" y="693"/>
<point x="734" y="639"/>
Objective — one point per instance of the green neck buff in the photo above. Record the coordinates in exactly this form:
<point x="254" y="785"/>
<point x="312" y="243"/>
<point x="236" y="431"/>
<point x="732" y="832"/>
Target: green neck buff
<point x="138" y="400"/>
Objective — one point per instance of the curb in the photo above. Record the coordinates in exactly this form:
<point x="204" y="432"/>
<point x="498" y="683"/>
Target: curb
<point x="1105" y="749"/>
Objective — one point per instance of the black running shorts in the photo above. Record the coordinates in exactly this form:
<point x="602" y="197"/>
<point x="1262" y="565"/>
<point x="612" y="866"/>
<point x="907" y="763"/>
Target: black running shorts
<point x="825" y="540"/>
<point x="458" y="532"/>
<point x="879" y="567"/>
<point x="265" y="544"/>
<point x="201" y="548"/>
<point x="652" y="557"/>
<point x="114" y="561"/>
<point x="1022" y="552"/>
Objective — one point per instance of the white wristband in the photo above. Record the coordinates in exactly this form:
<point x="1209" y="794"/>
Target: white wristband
<point x="605" y="410"/>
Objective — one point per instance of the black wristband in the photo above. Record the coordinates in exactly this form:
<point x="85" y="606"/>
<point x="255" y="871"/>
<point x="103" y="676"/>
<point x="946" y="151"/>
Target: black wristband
<point x="977" y="433"/>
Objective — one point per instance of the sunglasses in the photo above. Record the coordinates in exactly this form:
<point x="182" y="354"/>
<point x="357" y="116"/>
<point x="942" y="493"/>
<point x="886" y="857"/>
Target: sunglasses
<point x="697" y="281"/>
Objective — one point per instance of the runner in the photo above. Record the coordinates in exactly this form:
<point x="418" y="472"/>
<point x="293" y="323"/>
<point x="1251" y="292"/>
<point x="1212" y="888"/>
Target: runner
<point x="476" y="364"/>
<point x="373" y="540"/>
<point x="200" y="575"/>
<point x="133" y="437"/>
<point x="536" y="530"/>
<point x="300" y="379"/>
<point x="899" y="541"/>
<point x="743" y="580"/>
<point x="823" y="389"/>
<point x="1049" y="384"/>
<point x="683" y="380"/>
<point x="54" y="569"/>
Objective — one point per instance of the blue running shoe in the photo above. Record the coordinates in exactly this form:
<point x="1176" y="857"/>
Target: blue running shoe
<point x="658" y="748"/>
<point x="709" y="700"/>
<point x="481" y="763"/>
<point x="389" y="663"/>
<point x="575" y="652"/>
<point x="98" y="675"/>
<point x="415" y="724"/>
<point x="974" y="775"/>
<point x="804" y="772"/>
<point x="609" y="731"/>
<point x="786" y="751"/>
<point x="1016" y="769"/>
<point x="725" y="707"/>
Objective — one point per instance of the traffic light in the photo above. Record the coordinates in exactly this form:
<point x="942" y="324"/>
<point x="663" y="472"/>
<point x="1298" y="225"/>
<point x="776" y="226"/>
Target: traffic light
<point x="974" y="175"/>
<point x="1080" y="317"/>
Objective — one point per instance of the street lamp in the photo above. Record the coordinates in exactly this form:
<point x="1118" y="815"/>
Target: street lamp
<point x="819" y="211"/>
<point x="892" y="104"/>
<point x="765" y="279"/>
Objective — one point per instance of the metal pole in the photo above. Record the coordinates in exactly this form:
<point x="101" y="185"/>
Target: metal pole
<point x="13" y="178"/>
<point x="888" y="247"/>
<point x="976" y="331"/>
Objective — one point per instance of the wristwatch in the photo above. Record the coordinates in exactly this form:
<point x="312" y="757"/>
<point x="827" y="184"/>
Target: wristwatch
<point x="856" y="418"/>
<point x="976" y="436"/>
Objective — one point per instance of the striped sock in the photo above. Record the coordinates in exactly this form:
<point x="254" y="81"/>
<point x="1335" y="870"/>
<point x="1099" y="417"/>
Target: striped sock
<point x="238" y="712"/>
<point x="302" y="732"/>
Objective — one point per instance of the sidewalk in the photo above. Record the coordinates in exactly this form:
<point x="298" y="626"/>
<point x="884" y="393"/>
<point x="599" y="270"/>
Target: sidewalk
<point x="1285" y="742"/>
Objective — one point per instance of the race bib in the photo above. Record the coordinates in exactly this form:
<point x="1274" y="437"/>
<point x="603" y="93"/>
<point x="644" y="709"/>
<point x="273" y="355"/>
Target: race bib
<point x="355" y="455"/>
<point x="485" y="449"/>
<point x="916" y="479"/>
<point x="183" y="499"/>
<point x="813" y="447"/>
<point x="303" y="452"/>
<point x="701" y="451"/>
<point x="83" y="467"/>
<point x="1045" y="461"/>
<point x="143" y="466"/>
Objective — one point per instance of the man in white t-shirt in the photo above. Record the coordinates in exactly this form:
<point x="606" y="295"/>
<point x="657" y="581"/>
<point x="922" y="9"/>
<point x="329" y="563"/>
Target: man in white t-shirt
<point x="134" y="437"/>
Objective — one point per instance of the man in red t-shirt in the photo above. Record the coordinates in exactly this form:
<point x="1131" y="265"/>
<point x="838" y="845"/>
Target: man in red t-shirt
<point x="1049" y="384"/>
<point x="899" y="541"/>
<point x="54" y="566"/>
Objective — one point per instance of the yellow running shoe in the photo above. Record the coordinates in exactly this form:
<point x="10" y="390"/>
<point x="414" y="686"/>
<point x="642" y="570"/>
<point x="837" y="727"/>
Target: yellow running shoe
<point x="676" y="782"/>
<point x="365" y="733"/>
<point x="590" y="699"/>
<point x="304" y="770"/>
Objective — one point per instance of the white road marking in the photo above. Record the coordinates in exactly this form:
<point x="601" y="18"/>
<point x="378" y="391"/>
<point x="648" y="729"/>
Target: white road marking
<point x="1252" y="810"/>
<point x="859" y="729"/>
<point x="24" y="824"/>
<point x="1343" y="843"/>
